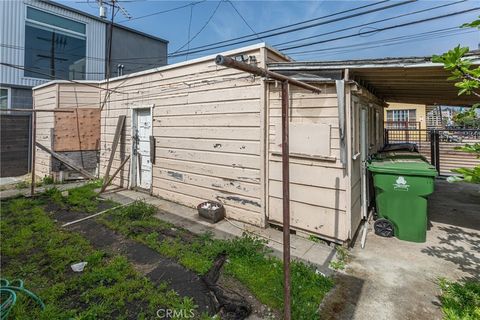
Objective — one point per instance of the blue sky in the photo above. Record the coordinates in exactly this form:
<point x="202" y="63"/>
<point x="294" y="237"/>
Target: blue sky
<point x="263" y="15"/>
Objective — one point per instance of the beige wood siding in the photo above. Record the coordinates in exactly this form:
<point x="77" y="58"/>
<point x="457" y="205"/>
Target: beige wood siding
<point x="44" y="98"/>
<point x="53" y="96"/>
<point x="317" y="186"/>
<point x="208" y="129"/>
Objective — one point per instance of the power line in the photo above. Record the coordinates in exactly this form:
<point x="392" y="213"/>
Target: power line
<point x="55" y="78"/>
<point x="292" y="25"/>
<point x="395" y="40"/>
<point x="160" y="59"/>
<point x="370" y="23"/>
<point x="382" y="29"/>
<point x="202" y="28"/>
<point x="189" y="28"/>
<point x="396" y="4"/>
<point x="244" y="20"/>
<point x="164" y="11"/>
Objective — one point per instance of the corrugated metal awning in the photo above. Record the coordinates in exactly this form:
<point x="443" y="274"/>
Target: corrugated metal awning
<point x="408" y="80"/>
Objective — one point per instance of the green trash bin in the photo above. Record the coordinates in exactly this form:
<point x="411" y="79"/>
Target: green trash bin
<point x="399" y="155"/>
<point x="402" y="186"/>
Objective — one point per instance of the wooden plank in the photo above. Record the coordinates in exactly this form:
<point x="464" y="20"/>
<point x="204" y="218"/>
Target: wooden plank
<point x="225" y="197"/>
<point x="318" y="220"/>
<point x="214" y="121"/>
<point x="226" y="159"/>
<point x="246" y="216"/>
<point x="78" y="131"/>
<point x="330" y="198"/>
<point x="65" y="160"/>
<point x="216" y="145"/>
<point x="116" y="139"/>
<point x="240" y="174"/>
<point x="232" y="186"/>
<point x="232" y="107"/>
<point x="310" y="175"/>
<point x="110" y="179"/>
<point x="252" y="134"/>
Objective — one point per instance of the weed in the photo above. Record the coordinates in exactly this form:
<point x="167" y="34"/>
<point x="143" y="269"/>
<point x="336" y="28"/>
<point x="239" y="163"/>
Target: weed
<point x="460" y="300"/>
<point x="47" y="180"/>
<point x="314" y="239"/>
<point x="342" y="258"/>
<point x="22" y="185"/>
<point x="138" y="210"/>
<point x="55" y="195"/>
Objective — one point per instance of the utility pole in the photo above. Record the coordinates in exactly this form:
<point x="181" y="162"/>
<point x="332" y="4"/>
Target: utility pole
<point x="286" y="81"/>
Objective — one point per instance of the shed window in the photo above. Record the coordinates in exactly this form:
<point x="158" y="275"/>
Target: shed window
<point x="4" y="98"/>
<point x="55" y="47"/>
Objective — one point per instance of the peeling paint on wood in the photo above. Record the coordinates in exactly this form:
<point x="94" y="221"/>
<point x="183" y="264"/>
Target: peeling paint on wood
<point x="240" y="200"/>
<point x="176" y="175"/>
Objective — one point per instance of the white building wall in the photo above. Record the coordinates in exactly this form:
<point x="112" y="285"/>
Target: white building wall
<point x="12" y="41"/>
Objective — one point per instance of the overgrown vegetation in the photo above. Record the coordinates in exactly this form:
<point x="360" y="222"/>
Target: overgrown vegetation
<point x="470" y="175"/>
<point x="460" y="301"/>
<point x="83" y="198"/>
<point x="341" y="258"/>
<point x="248" y="259"/>
<point x="468" y="82"/>
<point x="35" y="250"/>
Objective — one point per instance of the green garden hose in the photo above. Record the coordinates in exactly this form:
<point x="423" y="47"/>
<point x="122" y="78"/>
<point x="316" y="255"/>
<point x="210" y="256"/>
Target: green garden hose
<point x="8" y="293"/>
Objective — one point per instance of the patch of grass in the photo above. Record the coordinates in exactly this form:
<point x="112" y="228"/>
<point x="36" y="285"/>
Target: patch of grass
<point x="138" y="210"/>
<point x="35" y="250"/>
<point x="460" y="301"/>
<point x="83" y="198"/>
<point x="248" y="259"/>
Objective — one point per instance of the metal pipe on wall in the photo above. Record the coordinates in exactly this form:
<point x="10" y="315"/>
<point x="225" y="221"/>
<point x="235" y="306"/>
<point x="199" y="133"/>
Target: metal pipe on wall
<point x="286" y="203"/>
<point x="34" y="135"/>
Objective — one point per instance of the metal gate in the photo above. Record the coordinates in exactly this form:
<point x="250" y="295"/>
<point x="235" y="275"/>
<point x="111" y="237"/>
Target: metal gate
<point x="439" y="146"/>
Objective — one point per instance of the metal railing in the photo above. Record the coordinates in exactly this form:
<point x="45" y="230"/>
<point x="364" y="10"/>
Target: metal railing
<point x="402" y="124"/>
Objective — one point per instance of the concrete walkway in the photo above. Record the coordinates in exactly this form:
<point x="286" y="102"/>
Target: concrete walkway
<point x="393" y="279"/>
<point x="318" y="254"/>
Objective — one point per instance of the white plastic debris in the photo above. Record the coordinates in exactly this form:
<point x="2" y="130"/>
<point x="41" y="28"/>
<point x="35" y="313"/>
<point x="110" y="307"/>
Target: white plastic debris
<point x="320" y="272"/>
<point x="210" y="206"/>
<point x="78" y="267"/>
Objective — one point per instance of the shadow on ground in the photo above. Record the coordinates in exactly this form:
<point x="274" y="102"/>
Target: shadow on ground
<point x="341" y="302"/>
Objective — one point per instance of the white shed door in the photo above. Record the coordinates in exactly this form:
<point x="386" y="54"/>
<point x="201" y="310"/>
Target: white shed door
<point x="144" y="166"/>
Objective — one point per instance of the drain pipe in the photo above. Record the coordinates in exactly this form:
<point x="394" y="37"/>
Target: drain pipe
<point x="340" y="87"/>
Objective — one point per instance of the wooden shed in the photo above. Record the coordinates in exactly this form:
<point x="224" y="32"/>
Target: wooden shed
<point x="74" y="135"/>
<point x="195" y="131"/>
